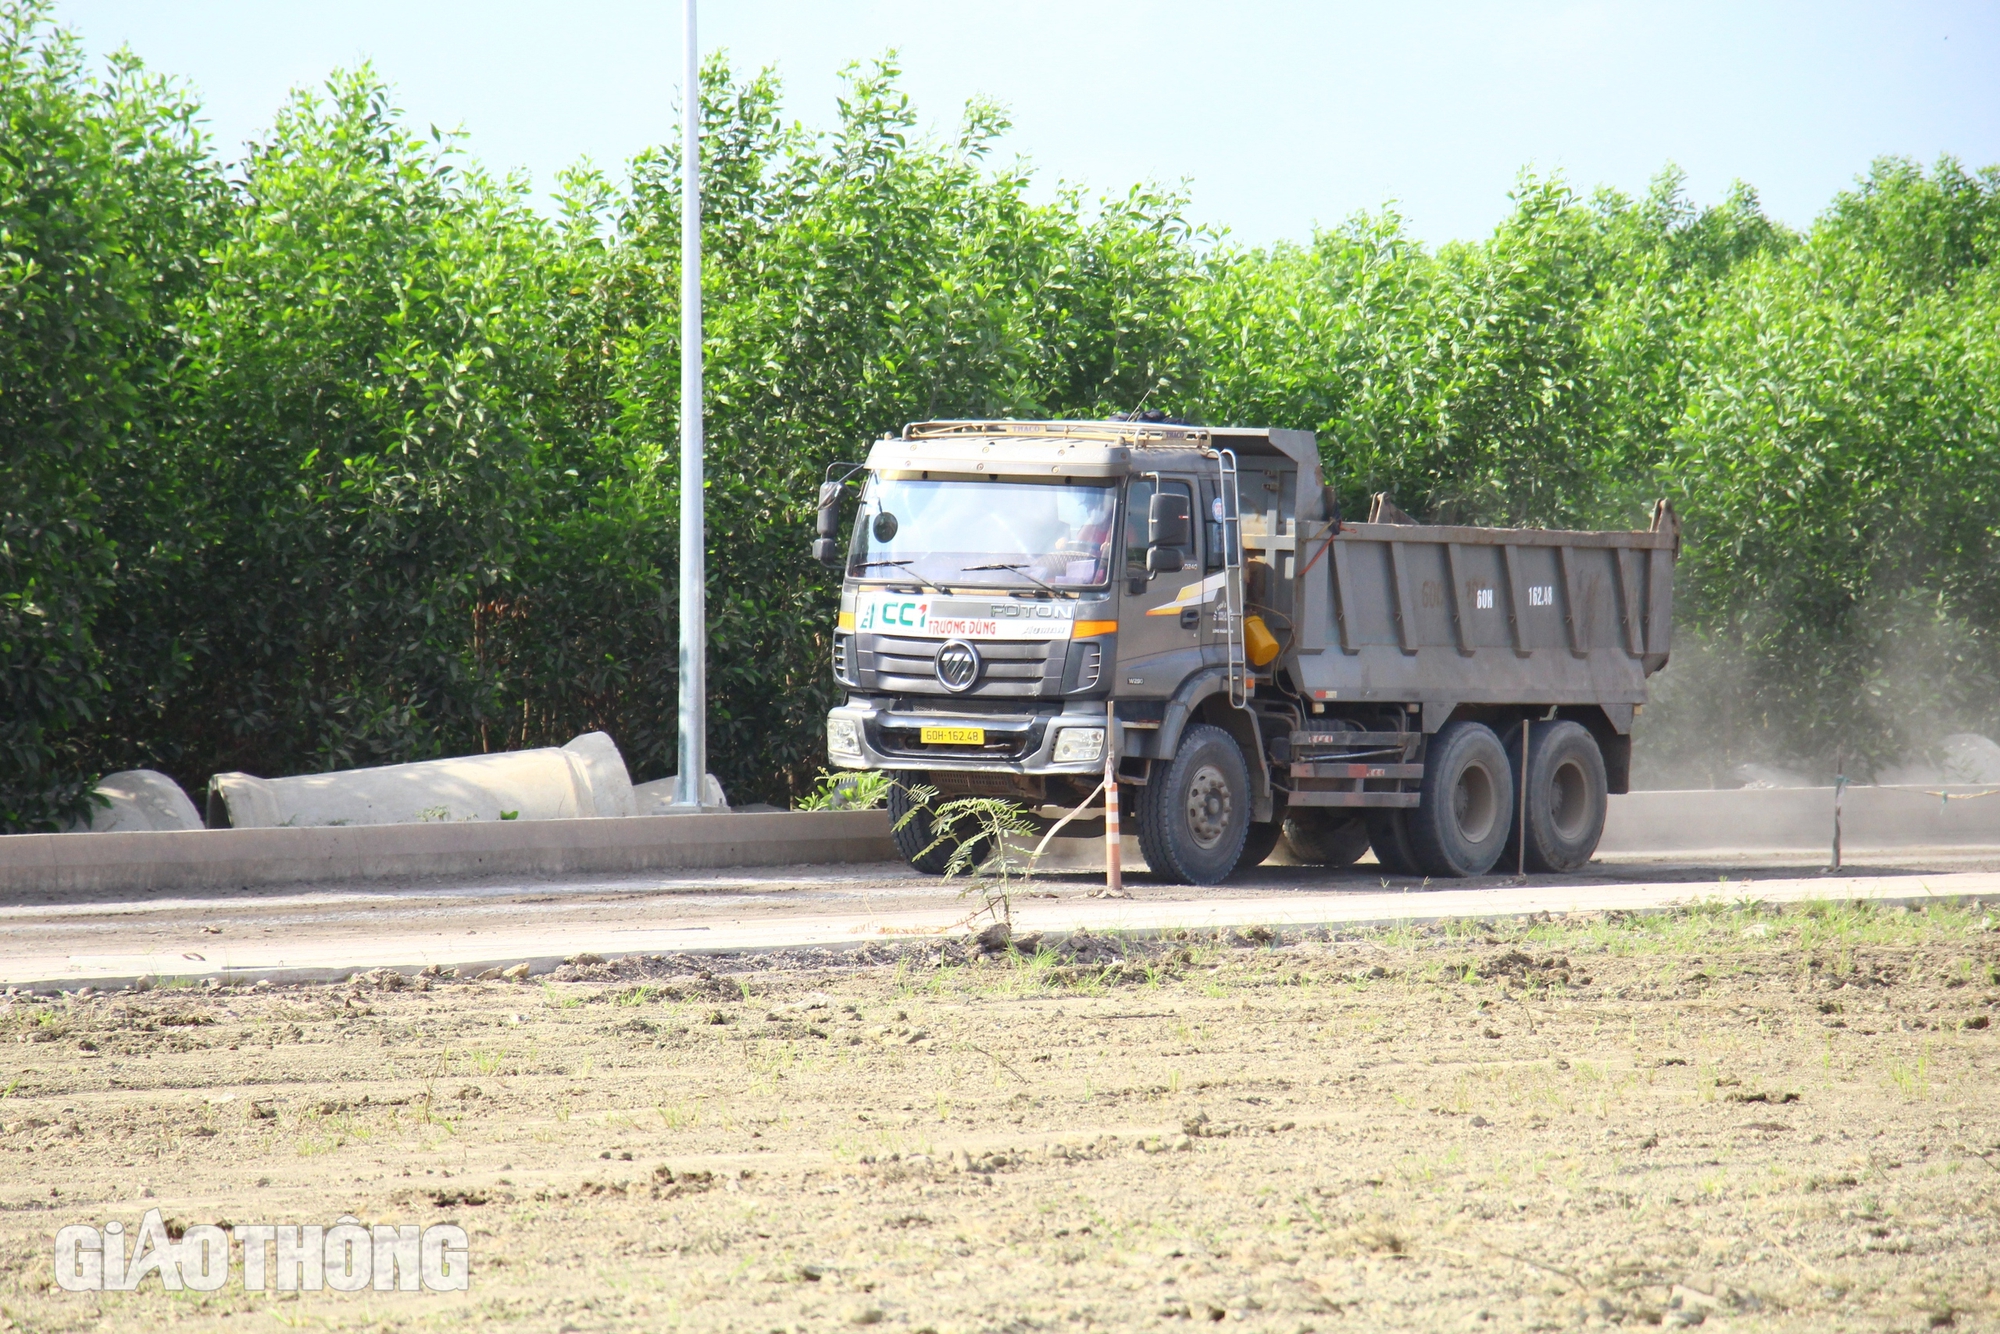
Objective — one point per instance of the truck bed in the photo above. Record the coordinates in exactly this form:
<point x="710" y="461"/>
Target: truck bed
<point x="1444" y="616"/>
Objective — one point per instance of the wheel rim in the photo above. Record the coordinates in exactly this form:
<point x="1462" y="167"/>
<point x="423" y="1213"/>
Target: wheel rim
<point x="1473" y="806"/>
<point x="1209" y="805"/>
<point x="1569" y="801"/>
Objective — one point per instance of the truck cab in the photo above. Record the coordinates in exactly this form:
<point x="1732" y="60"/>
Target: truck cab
<point x="1003" y="580"/>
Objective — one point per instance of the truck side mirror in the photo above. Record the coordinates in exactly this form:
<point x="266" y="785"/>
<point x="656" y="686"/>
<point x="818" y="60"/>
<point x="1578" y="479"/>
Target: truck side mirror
<point x="1169" y="532"/>
<point x="826" y="547"/>
<point x="1168" y="522"/>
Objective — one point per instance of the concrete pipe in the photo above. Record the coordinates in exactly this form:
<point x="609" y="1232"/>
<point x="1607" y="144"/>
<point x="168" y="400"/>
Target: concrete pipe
<point x="582" y="780"/>
<point x="142" y="800"/>
<point x="657" y="797"/>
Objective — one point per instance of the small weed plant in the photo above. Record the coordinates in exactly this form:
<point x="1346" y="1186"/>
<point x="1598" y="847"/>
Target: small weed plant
<point x="845" y="791"/>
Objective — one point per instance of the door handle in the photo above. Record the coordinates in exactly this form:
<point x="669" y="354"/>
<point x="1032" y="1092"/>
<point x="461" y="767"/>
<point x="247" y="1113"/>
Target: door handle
<point x="1190" y="618"/>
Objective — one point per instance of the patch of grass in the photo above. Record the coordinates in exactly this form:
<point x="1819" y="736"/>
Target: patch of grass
<point x="1718" y="927"/>
<point x="38" y="1023"/>
<point x="1030" y="974"/>
<point x="1913" y="1081"/>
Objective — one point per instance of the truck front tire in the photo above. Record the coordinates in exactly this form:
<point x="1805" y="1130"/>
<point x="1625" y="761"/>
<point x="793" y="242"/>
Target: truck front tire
<point x="1566" y="791"/>
<point x="1194" y="811"/>
<point x="915" y="837"/>
<point x="1466" y="810"/>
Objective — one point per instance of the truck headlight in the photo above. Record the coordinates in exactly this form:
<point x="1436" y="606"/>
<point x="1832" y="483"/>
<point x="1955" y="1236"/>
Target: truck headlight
<point x="1078" y="745"/>
<point x="843" y="737"/>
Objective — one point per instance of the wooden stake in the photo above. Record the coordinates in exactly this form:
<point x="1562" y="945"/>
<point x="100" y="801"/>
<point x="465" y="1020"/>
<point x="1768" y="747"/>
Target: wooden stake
<point x="1839" y="790"/>
<point x="1114" y="846"/>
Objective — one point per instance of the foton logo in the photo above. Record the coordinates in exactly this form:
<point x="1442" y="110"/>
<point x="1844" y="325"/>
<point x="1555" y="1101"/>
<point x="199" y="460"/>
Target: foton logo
<point x="957" y="666"/>
<point x="1041" y="611"/>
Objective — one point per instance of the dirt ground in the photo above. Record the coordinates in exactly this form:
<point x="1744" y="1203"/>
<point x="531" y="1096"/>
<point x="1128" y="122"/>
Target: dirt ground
<point x="1726" y="1117"/>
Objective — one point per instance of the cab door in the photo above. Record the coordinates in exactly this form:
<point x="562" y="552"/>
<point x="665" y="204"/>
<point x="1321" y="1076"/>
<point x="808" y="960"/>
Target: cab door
<point x="1161" y="625"/>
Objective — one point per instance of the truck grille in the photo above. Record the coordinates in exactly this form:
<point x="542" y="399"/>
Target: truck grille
<point x="840" y="660"/>
<point x="1010" y="668"/>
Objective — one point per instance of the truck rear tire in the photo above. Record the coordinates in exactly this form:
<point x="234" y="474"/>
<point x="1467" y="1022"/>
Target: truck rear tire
<point x="1389" y="836"/>
<point x="916" y="838"/>
<point x="1326" y="835"/>
<point x="1566" y="792"/>
<point x="1194" y="811"/>
<point x="1466" y="810"/>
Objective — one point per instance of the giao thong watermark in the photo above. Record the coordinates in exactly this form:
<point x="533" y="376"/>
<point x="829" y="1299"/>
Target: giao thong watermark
<point x="349" y="1256"/>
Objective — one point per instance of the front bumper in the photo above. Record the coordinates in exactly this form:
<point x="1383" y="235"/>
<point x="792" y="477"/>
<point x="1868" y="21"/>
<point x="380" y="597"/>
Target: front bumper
<point x="882" y="738"/>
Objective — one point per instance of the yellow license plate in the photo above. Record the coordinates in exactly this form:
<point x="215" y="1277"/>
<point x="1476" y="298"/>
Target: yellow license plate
<point x="954" y="736"/>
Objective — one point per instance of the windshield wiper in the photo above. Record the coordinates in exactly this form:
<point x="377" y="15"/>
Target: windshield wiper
<point x="1020" y="568"/>
<point x="921" y="581"/>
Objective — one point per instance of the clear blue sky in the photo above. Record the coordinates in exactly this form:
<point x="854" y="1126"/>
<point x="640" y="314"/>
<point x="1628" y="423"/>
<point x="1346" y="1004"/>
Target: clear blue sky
<point x="1279" y="114"/>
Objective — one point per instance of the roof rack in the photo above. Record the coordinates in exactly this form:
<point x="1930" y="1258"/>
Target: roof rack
<point x="1122" y="433"/>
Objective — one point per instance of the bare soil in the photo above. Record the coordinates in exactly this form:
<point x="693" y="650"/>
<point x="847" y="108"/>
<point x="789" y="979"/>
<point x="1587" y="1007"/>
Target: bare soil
<point x="1725" y="1117"/>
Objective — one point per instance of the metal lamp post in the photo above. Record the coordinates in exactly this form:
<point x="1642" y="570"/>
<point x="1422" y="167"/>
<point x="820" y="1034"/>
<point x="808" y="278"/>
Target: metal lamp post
<point x="688" y="792"/>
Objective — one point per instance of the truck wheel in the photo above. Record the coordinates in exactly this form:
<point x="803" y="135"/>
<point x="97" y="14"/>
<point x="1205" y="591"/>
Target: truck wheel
<point x="1465" y="812"/>
<point x="1389" y="835"/>
<point x="1326" y="836"/>
<point x="915" y="837"/>
<point x="1566" y="790"/>
<point x="1194" y="812"/>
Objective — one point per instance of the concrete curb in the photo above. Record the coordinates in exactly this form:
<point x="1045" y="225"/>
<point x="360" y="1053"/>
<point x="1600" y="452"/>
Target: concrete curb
<point x="1798" y="819"/>
<point x="1801" y="819"/>
<point x="241" y="858"/>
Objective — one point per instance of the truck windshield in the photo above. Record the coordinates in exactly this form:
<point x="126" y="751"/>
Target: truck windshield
<point x="1007" y="534"/>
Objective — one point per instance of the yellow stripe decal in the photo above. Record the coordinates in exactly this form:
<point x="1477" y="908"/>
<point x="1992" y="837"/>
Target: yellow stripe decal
<point x="1191" y="596"/>
<point x="1084" y="629"/>
<point x="847" y="620"/>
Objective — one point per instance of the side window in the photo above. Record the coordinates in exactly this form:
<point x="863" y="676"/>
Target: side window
<point x="1138" y="507"/>
<point x="1206" y="518"/>
<point x="1138" y="503"/>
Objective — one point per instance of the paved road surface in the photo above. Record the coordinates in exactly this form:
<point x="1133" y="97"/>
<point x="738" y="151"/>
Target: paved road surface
<point x="286" y="934"/>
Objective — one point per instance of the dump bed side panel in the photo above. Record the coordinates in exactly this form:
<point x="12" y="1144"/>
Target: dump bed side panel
<point x="1447" y="616"/>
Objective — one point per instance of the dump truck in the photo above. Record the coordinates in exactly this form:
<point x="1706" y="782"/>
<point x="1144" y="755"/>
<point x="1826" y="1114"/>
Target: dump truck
<point x="1020" y="598"/>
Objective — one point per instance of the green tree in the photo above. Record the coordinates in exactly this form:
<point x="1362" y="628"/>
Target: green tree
<point x="367" y="428"/>
<point x="105" y="192"/>
<point x="1840" y="460"/>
